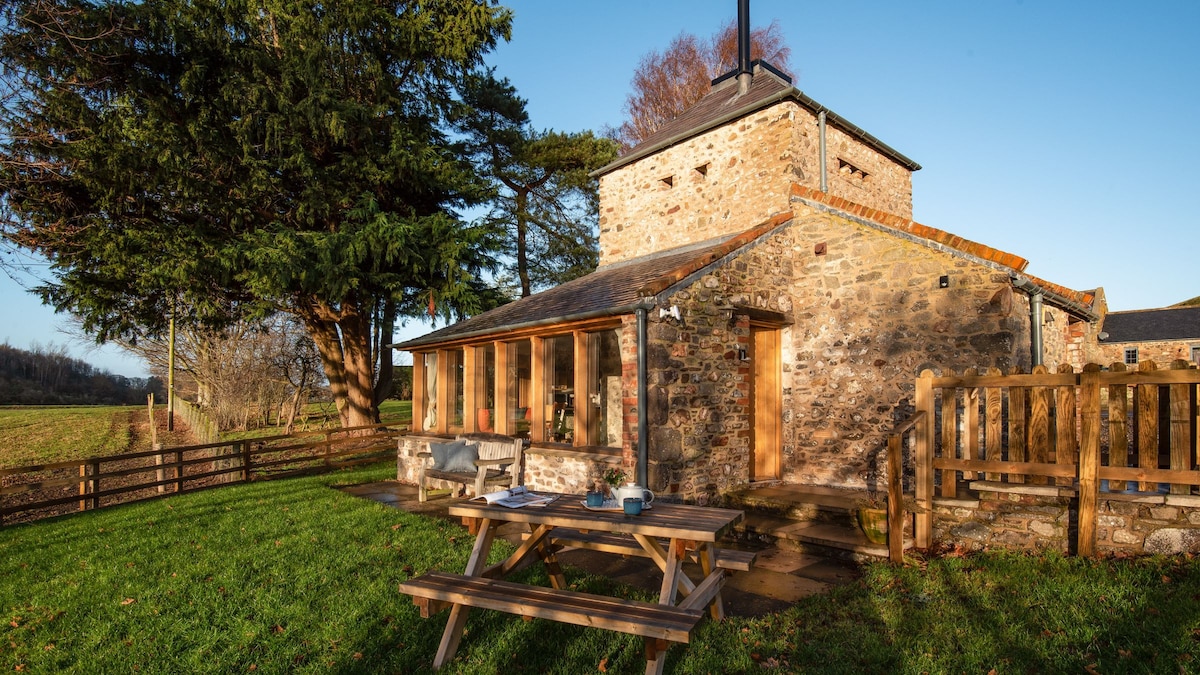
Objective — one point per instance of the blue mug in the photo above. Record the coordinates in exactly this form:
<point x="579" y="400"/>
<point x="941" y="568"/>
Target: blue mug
<point x="595" y="499"/>
<point x="633" y="506"/>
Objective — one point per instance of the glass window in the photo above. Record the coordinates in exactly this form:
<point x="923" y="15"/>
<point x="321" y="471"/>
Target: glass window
<point x="517" y="382"/>
<point x="485" y="387"/>
<point x="454" y="359"/>
<point x="560" y="389"/>
<point x="1131" y="356"/>
<point x="1196" y="355"/>
<point x="604" y="388"/>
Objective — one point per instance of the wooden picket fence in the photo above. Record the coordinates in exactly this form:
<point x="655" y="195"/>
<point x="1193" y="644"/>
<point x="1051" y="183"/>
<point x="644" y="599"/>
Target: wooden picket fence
<point x="1088" y="433"/>
<point x="31" y="492"/>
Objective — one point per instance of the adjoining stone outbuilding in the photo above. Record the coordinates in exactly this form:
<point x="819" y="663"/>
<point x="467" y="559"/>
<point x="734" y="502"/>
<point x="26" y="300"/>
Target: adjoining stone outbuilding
<point x="1159" y="335"/>
<point x="762" y="306"/>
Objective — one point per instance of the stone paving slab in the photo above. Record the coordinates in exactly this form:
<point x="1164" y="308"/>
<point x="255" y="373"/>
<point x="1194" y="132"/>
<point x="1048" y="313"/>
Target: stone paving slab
<point x="779" y="578"/>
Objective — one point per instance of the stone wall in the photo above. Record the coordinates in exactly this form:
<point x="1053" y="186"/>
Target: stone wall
<point x="734" y="177"/>
<point x="1161" y="352"/>
<point x="867" y="316"/>
<point x="870" y="315"/>
<point x="569" y="471"/>
<point x="1046" y="518"/>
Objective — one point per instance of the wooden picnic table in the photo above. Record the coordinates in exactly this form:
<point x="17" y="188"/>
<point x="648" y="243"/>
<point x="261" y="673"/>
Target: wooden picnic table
<point x="690" y="533"/>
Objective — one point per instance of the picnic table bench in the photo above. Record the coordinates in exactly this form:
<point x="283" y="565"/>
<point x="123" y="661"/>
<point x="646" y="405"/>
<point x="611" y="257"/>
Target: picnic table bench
<point x="621" y="544"/>
<point x="668" y="534"/>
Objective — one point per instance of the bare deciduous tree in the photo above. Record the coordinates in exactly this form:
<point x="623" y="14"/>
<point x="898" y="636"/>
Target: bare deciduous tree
<point x="666" y="84"/>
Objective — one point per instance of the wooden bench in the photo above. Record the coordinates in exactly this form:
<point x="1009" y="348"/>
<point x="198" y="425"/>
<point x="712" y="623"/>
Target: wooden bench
<point x="608" y="542"/>
<point x="433" y="591"/>
<point x="495" y="452"/>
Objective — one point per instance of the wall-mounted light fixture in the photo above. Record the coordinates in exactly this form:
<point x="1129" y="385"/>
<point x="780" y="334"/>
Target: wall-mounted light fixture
<point x="672" y="311"/>
<point x="743" y="355"/>
<point x="944" y="281"/>
<point x="1102" y="336"/>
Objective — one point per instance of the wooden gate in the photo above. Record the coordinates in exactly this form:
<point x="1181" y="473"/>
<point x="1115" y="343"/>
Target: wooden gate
<point x="1093" y="432"/>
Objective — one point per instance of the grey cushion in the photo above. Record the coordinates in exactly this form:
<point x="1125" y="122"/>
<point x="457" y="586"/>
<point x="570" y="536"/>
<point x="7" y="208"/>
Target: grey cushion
<point x="454" y="456"/>
<point x="441" y="453"/>
<point x="462" y="457"/>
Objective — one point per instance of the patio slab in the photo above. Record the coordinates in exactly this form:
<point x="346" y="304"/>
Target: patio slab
<point x="779" y="578"/>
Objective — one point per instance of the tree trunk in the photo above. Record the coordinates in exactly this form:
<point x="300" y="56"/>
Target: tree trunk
<point x="343" y="339"/>
<point x="385" y="385"/>
<point x="522" y="231"/>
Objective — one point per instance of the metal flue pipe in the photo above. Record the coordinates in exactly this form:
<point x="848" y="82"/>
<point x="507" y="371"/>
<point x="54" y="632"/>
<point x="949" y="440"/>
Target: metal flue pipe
<point x="745" y="69"/>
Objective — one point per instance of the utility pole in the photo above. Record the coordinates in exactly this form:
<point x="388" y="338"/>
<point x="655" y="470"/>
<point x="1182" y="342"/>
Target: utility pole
<point x="171" y="377"/>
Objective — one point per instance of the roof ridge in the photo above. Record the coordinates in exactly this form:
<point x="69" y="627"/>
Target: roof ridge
<point x="1157" y="309"/>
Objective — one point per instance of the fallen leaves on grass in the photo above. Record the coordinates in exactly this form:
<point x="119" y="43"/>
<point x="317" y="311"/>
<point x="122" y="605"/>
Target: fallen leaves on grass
<point x="128" y="601"/>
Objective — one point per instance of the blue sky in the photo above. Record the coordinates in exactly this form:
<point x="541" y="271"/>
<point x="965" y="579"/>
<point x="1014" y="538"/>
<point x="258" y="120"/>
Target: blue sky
<point x="1063" y="132"/>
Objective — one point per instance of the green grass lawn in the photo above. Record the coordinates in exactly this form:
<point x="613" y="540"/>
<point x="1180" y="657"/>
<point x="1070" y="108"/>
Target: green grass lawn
<point x="292" y="576"/>
<point x="40" y="435"/>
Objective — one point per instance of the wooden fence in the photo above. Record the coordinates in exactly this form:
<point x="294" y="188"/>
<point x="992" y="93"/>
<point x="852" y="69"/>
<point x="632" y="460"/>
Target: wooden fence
<point x="1088" y="433"/>
<point x="31" y="492"/>
<point x="202" y="426"/>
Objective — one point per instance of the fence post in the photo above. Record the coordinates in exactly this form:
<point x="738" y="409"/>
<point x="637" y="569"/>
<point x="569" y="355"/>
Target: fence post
<point x="1089" y="460"/>
<point x="1181" y="459"/>
<point x="924" y="461"/>
<point x="82" y="486"/>
<point x="159" y="473"/>
<point x="245" y="461"/>
<point x="1145" y="401"/>
<point x="895" y="506"/>
<point x="178" y="472"/>
<point x="94" y="484"/>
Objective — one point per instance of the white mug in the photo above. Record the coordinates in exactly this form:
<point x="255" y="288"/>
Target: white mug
<point x="634" y="491"/>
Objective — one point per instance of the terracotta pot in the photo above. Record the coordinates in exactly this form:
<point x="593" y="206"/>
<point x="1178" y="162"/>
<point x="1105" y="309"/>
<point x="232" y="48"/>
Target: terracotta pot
<point x="873" y="523"/>
<point x="484" y="419"/>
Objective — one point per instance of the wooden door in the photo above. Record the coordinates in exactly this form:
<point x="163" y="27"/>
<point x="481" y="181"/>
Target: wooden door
<point x="766" y="442"/>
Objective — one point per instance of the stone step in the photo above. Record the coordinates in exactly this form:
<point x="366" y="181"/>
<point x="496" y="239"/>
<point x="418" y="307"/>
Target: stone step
<point x="805" y="502"/>
<point x="813" y="519"/>
<point x="813" y="537"/>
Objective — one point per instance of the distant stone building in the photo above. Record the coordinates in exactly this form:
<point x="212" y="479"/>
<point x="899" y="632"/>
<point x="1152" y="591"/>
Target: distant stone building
<point x="763" y="304"/>
<point x="1159" y="335"/>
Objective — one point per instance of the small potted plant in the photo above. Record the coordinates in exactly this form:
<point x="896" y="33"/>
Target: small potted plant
<point x="872" y="517"/>
<point x="613" y="477"/>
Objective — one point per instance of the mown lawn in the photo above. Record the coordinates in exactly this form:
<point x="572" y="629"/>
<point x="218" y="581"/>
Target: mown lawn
<point x="41" y="435"/>
<point x="292" y="576"/>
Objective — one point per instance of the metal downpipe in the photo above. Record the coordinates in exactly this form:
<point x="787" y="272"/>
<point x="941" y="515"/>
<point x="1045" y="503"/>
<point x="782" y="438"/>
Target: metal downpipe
<point x="643" y="423"/>
<point x="824" y="155"/>
<point x="1035" y="328"/>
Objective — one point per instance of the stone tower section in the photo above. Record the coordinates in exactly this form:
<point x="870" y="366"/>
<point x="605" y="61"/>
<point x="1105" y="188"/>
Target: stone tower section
<point x="729" y="162"/>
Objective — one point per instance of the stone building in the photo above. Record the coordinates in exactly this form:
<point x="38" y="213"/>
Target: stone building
<point x="1159" y="335"/>
<point x="763" y="304"/>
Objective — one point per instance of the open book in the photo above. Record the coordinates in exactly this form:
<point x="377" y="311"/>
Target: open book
<point x="515" y="498"/>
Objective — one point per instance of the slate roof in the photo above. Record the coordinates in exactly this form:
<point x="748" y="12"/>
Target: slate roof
<point x="609" y="291"/>
<point x="1148" y="325"/>
<point x="723" y="105"/>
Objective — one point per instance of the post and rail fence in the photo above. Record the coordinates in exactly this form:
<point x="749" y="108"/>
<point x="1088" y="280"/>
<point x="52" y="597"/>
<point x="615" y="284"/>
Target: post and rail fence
<point x="31" y="492"/>
<point x="1087" y="435"/>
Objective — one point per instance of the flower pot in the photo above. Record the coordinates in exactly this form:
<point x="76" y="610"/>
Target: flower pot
<point x="484" y="419"/>
<point x="873" y="523"/>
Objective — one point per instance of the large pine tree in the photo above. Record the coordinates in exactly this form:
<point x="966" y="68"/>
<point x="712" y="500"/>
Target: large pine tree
<point x="214" y="159"/>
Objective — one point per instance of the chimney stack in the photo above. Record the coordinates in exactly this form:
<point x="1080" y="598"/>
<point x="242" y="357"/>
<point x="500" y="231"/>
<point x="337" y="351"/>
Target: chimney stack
<point x="745" y="71"/>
